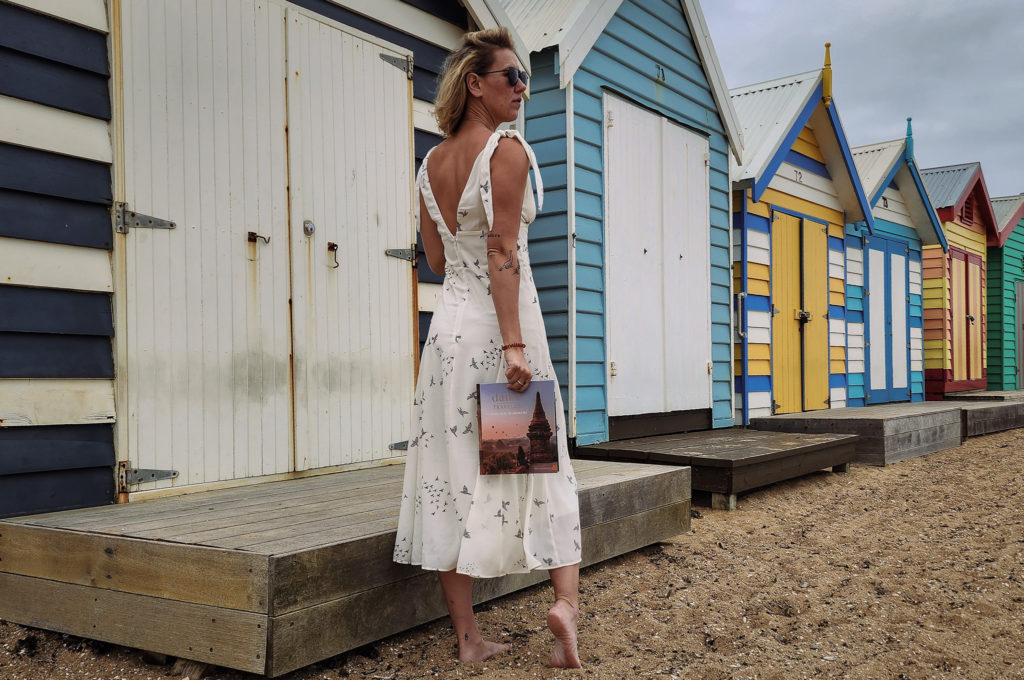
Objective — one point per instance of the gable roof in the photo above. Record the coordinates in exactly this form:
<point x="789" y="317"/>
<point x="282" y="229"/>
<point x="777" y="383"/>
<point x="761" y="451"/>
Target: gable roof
<point x="575" y="25"/>
<point x="773" y="113"/>
<point x="949" y="186"/>
<point x="1009" y="211"/>
<point x="766" y="112"/>
<point x="880" y="164"/>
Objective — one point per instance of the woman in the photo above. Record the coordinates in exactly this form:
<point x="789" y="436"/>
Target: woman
<point x="474" y="207"/>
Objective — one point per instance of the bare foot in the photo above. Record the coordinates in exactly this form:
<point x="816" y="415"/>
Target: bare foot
<point x="562" y="618"/>
<point x="474" y="652"/>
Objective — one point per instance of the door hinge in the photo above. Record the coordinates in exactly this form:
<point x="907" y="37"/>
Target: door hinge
<point x="775" y="406"/>
<point x="129" y="476"/>
<point x="403" y="63"/>
<point x="609" y="119"/>
<point x="125" y="219"/>
<point x="709" y="368"/>
<point x="399" y="446"/>
<point x="408" y="254"/>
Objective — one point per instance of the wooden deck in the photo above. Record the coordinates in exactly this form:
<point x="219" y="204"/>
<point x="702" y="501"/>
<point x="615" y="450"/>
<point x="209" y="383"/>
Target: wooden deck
<point x="986" y="395"/>
<point x="888" y="432"/>
<point x="985" y="416"/>
<point x="271" y="578"/>
<point x="731" y="461"/>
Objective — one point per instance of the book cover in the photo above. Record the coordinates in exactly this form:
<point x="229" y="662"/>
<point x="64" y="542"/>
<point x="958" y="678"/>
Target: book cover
<point x="517" y="429"/>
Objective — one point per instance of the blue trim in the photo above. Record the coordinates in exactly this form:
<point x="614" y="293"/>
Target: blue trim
<point x="837" y="380"/>
<point x="888" y="182"/>
<point x="807" y="163"/>
<point x="753" y="383"/>
<point x="53" y="39"/>
<point x="837" y="244"/>
<point x="36" y="217"/>
<point x="794" y="213"/>
<point x="745" y="341"/>
<point x="755" y="222"/>
<point x="854" y="316"/>
<point x="851" y="168"/>
<point x="836" y="312"/>
<point x="758" y="303"/>
<point x="51" y="174"/>
<point x="39" y="80"/>
<point x="761" y="183"/>
<point x="46" y="310"/>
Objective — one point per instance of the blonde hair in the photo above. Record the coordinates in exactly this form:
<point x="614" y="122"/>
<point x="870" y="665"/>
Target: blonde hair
<point x="474" y="55"/>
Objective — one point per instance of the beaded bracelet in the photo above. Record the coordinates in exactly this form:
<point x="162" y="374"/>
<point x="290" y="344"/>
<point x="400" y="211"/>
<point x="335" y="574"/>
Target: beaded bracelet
<point x="513" y="344"/>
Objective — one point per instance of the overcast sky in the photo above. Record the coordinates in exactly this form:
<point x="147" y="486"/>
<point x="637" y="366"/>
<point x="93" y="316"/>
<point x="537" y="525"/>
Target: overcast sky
<point x="955" y="66"/>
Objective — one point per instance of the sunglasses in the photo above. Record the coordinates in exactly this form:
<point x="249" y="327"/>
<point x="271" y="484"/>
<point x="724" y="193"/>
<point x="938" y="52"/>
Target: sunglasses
<point x="513" y="74"/>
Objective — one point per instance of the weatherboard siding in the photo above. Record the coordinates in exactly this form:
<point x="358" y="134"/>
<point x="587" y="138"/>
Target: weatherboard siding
<point x="56" y="358"/>
<point x="1005" y="270"/>
<point x="641" y="37"/>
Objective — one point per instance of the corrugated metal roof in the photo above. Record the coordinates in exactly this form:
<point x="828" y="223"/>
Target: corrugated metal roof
<point x="766" y="112"/>
<point x="875" y="161"/>
<point x="1005" y="208"/>
<point x="945" y="185"/>
<point x="542" y="23"/>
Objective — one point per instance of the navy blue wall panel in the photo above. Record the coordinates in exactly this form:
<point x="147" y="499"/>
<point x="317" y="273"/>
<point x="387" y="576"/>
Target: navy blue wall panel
<point x="35" y="79"/>
<point x="53" y="39"/>
<point x="424" y="142"/>
<point x="42" y="172"/>
<point x="55" y="468"/>
<point x="55" y="220"/>
<point x="424" y="323"/>
<point x="427" y="58"/>
<point x="451" y="11"/>
<point x="39" y="355"/>
<point x="45" y="310"/>
<point x="55" y="490"/>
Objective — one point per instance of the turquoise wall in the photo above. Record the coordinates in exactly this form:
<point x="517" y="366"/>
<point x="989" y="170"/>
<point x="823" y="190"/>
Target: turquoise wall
<point x="641" y="38"/>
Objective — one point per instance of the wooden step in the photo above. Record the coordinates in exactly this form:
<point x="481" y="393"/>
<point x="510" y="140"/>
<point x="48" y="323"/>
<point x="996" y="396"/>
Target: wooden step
<point x="730" y="461"/>
<point x="985" y="417"/>
<point x="887" y="432"/>
<point x="271" y="578"/>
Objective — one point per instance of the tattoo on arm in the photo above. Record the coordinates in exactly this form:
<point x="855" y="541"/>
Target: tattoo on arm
<point x="510" y="263"/>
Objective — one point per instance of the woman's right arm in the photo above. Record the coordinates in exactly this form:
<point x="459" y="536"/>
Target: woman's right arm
<point x="432" y="245"/>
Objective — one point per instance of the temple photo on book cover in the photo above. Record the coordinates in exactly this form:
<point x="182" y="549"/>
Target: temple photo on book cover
<point x="517" y="430"/>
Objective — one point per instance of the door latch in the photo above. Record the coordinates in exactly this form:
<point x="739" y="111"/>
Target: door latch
<point x="802" y="316"/>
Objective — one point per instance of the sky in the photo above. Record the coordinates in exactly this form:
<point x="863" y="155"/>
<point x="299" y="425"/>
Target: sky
<point x="955" y="66"/>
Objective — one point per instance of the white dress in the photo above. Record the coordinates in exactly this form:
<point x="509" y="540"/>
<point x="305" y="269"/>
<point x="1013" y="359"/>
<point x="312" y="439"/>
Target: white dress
<point x="451" y="516"/>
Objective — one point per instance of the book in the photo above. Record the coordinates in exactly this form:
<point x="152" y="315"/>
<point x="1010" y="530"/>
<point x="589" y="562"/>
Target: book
<point x="517" y="429"/>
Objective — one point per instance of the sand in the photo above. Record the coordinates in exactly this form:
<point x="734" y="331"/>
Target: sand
<point x="911" y="571"/>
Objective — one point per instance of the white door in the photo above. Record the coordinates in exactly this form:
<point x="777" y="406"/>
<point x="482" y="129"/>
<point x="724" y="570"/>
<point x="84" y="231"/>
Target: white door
<point x="207" y="339"/>
<point x="657" y="263"/>
<point x="216" y="308"/>
<point x="350" y="116"/>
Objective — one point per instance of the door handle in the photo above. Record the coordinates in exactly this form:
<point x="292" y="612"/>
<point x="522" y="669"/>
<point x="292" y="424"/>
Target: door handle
<point x="970" y="317"/>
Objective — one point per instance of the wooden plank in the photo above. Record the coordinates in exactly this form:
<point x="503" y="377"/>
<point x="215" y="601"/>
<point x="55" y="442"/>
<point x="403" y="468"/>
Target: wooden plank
<point x="187" y="573"/>
<point x="89" y="13"/>
<point x="53" y="265"/>
<point x="190" y="505"/>
<point x="43" y="127"/>
<point x="358" y="565"/>
<point x="34" y="33"/>
<point x="307" y="635"/>
<point x="47" y="355"/>
<point x="37" y="217"/>
<point x="55" y="402"/>
<point x="224" y="637"/>
<point x="43" y="310"/>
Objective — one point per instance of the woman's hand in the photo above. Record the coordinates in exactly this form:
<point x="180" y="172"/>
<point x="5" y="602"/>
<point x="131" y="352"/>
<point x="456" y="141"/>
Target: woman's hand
<point x="518" y="372"/>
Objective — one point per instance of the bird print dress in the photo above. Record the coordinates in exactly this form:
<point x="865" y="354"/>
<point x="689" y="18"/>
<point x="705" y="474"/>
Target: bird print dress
<point x="451" y="516"/>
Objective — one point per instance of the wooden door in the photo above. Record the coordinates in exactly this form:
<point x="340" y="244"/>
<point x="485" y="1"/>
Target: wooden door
<point x="958" y="313"/>
<point x="657" y="263"/>
<point x="887" y="326"/>
<point x="975" y="317"/>
<point x="350" y="160"/>
<point x="1018" y="326"/>
<point x="799" y="287"/>
<point x="206" y="381"/>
